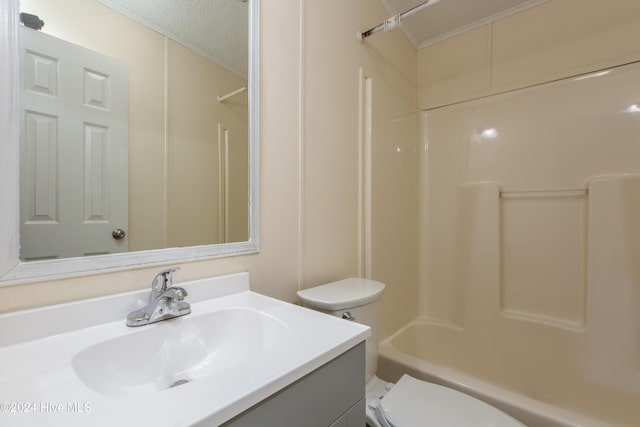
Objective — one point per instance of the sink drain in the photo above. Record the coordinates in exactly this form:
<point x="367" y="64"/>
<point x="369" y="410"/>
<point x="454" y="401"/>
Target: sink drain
<point x="178" y="382"/>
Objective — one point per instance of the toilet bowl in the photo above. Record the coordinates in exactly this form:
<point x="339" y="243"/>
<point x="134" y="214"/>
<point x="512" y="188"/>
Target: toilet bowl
<point x="410" y="402"/>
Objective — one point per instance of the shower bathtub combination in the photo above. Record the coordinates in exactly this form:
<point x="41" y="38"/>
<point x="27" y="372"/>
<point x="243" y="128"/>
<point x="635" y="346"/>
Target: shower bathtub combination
<point x="530" y="252"/>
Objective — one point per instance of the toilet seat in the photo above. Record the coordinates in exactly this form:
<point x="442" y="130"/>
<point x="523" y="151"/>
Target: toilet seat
<point x="414" y="403"/>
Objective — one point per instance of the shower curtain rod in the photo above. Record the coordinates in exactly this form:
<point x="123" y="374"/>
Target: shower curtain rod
<point x="235" y="92"/>
<point x="393" y="22"/>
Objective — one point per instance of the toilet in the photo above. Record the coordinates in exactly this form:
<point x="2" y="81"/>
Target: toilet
<point x="409" y="402"/>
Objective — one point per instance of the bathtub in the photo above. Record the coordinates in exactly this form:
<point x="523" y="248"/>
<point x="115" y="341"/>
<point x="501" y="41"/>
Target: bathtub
<point x="399" y="354"/>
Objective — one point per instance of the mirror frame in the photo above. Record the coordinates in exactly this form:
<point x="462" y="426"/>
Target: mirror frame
<point x="32" y="271"/>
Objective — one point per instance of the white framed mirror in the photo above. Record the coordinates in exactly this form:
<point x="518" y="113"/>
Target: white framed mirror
<point x="222" y="231"/>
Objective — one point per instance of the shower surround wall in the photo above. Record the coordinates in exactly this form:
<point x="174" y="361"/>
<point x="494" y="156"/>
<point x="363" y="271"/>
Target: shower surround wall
<point x="531" y="243"/>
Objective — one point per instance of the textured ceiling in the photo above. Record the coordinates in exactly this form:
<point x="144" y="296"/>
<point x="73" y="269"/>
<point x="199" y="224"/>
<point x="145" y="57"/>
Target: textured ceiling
<point x="449" y="17"/>
<point x="216" y="28"/>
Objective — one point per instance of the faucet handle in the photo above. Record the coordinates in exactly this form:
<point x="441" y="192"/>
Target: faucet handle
<point x="175" y="292"/>
<point x="163" y="280"/>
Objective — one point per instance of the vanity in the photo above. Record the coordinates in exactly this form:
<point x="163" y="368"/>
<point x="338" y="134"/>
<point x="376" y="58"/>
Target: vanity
<point x="238" y="359"/>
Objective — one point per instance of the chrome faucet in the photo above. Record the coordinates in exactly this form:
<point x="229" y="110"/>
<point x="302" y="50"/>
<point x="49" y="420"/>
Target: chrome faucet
<point x="165" y="301"/>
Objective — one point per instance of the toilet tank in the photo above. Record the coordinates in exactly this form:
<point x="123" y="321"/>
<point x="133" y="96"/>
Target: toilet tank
<point x="352" y="299"/>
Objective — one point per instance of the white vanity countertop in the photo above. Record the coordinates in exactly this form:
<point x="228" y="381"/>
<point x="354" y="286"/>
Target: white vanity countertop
<point x="39" y="385"/>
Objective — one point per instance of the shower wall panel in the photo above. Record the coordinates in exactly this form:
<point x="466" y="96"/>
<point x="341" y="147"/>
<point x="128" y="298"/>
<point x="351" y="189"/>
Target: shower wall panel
<point x="530" y="240"/>
<point x="394" y="217"/>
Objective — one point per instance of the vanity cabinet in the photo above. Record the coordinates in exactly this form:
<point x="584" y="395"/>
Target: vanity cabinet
<point x="330" y="396"/>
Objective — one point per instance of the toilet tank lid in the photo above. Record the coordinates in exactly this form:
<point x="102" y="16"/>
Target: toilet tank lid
<point x="346" y="293"/>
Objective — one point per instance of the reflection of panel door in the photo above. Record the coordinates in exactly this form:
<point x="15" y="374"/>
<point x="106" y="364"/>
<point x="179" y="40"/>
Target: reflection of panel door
<point x="236" y="185"/>
<point x="74" y="149"/>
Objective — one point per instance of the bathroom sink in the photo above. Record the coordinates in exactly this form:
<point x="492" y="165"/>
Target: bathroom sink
<point x="79" y="364"/>
<point x="176" y="352"/>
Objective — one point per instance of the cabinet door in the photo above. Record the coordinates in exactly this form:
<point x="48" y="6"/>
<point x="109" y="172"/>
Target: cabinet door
<point x="355" y="417"/>
<point x="320" y="399"/>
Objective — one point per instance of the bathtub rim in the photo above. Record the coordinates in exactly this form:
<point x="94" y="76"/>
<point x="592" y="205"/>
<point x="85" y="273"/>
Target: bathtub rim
<point x="530" y="411"/>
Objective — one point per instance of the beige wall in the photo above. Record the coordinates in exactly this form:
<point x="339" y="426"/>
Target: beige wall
<point x="309" y="158"/>
<point x="557" y="39"/>
<point x="310" y="140"/>
<point x="332" y="144"/>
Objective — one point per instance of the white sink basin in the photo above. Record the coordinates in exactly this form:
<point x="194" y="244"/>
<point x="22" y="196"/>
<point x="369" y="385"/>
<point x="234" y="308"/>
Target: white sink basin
<point x="78" y="364"/>
<point x="177" y="352"/>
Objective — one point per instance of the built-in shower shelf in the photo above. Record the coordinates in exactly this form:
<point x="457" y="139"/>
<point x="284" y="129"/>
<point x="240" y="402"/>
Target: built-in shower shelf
<point x="544" y="194"/>
<point x="543" y="240"/>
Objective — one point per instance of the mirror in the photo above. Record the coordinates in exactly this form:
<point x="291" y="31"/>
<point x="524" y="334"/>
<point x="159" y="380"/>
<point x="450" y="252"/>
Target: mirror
<point x="189" y="164"/>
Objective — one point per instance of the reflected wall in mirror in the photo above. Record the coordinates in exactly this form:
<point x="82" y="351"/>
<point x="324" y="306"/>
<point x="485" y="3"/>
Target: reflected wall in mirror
<point x="148" y="136"/>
